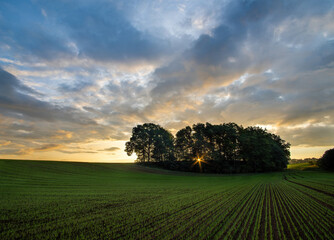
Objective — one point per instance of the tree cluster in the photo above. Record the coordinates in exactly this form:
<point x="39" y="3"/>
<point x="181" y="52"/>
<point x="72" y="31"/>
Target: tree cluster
<point x="151" y="143"/>
<point x="228" y="147"/>
<point x="327" y="160"/>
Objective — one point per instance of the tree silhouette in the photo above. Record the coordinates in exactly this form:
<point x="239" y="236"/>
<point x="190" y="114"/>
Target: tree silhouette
<point x="327" y="160"/>
<point x="184" y="144"/>
<point x="227" y="146"/>
<point x="151" y="143"/>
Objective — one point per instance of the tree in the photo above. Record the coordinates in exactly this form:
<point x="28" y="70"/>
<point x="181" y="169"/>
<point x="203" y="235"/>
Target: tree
<point x="227" y="147"/>
<point x="263" y="151"/>
<point x="151" y="143"/>
<point x="327" y="160"/>
<point x="201" y="142"/>
<point x="225" y="141"/>
<point x="184" y="144"/>
<point x="280" y="152"/>
<point x="163" y="149"/>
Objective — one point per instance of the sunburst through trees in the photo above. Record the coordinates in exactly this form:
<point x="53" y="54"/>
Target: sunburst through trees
<point x="225" y="147"/>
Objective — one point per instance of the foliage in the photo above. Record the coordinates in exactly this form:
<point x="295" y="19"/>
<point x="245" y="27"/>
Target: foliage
<point x="183" y="144"/>
<point x="68" y="200"/>
<point x="151" y="143"/>
<point x="227" y="147"/>
<point x="327" y="160"/>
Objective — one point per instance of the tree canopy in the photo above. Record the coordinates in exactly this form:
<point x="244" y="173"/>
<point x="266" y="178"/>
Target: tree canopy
<point x="151" y="143"/>
<point x="228" y="146"/>
<point x="327" y="160"/>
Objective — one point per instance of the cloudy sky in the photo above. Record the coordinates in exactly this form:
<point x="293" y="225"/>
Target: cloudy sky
<point x="77" y="76"/>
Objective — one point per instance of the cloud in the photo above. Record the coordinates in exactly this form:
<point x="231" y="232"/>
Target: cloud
<point x="16" y="99"/>
<point x="5" y="143"/>
<point x="24" y="150"/>
<point x="48" y="147"/>
<point x="247" y="41"/>
<point x="77" y="152"/>
<point x="111" y="149"/>
<point x="63" y="134"/>
<point x="310" y="136"/>
<point x="86" y="29"/>
<point x="106" y="67"/>
<point x="250" y="41"/>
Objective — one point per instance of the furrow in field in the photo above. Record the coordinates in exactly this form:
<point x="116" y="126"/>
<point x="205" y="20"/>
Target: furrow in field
<point x="94" y="215"/>
<point x="186" y="216"/>
<point x="326" y="205"/>
<point x="287" y="231"/>
<point x="194" y="225"/>
<point x="154" y="219"/>
<point x="215" y="221"/>
<point x="255" y="216"/>
<point x="232" y="220"/>
<point x="296" y="213"/>
<point x="183" y="214"/>
<point x="273" y="216"/>
<point x="197" y="227"/>
<point x="315" y="189"/>
<point x="237" y="223"/>
<point x="310" y="213"/>
<point x="256" y="225"/>
<point x="315" y="214"/>
<point x="320" y="184"/>
<point x="211" y="217"/>
<point x="329" y="182"/>
<point x="293" y="213"/>
<point x="248" y="231"/>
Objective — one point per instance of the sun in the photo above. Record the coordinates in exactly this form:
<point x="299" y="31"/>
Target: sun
<point x="199" y="160"/>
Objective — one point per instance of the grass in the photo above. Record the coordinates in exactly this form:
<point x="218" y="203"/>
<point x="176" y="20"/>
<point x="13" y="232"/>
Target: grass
<point x="64" y="200"/>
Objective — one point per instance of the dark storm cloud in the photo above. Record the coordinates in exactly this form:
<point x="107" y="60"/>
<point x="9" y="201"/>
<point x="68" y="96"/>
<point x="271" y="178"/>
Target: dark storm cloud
<point x="16" y="99"/>
<point x="57" y="29"/>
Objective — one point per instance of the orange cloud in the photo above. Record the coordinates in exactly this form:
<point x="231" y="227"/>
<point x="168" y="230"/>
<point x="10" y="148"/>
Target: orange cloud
<point x="62" y="134"/>
<point x="24" y="151"/>
<point x="5" y="143"/>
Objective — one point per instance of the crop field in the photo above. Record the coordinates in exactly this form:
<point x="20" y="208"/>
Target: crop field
<point x="303" y="166"/>
<point x="65" y="200"/>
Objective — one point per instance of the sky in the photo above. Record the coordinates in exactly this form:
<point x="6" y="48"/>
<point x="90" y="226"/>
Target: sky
<point x="77" y="76"/>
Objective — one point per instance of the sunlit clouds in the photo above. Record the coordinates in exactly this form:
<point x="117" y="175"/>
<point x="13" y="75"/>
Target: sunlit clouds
<point x="77" y="76"/>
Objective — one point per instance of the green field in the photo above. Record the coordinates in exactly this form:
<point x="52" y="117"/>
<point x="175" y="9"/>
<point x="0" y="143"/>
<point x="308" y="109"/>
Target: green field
<point x="303" y="166"/>
<point x="64" y="200"/>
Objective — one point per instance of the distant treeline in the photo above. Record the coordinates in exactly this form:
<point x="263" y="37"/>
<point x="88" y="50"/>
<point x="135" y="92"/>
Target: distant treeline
<point x="223" y="148"/>
<point x="305" y="160"/>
